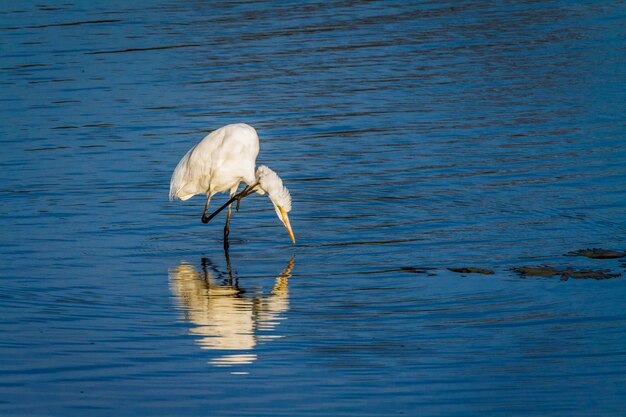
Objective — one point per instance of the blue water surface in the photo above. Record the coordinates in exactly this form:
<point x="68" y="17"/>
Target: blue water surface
<point x="414" y="137"/>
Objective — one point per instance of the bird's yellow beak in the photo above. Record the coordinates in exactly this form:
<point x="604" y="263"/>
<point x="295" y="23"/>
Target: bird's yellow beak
<point x="285" y="219"/>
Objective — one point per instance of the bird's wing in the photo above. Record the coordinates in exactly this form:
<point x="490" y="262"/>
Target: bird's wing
<point x="194" y="171"/>
<point x="235" y="158"/>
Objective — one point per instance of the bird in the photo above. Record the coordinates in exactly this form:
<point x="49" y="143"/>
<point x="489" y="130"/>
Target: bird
<point x="220" y="162"/>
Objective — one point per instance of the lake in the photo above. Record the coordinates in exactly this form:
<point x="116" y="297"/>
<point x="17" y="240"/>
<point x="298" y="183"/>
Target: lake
<point x="414" y="137"/>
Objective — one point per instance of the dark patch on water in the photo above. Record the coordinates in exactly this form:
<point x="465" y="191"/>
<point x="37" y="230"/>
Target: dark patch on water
<point x="472" y="270"/>
<point x="597" y="253"/>
<point x="565" y="273"/>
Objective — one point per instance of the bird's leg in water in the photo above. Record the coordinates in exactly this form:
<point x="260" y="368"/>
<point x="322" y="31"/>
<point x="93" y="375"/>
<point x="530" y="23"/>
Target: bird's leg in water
<point x="205" y="219"/>
<point x="233" y="193"/>
<point x="227" y="227"/>
<point x="229" y="268"/>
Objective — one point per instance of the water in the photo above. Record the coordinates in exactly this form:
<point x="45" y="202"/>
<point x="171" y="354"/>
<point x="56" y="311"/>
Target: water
<point x="413" y="138"/>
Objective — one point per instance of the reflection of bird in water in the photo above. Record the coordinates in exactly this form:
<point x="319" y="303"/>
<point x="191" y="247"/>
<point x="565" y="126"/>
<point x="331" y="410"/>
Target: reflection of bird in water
<point x="223" y="316"/>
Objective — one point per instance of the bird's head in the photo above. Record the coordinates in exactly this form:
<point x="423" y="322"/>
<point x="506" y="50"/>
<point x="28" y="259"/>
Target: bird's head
<point x="269" y="182"/>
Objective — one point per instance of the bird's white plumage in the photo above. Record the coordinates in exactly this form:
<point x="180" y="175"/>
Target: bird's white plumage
<point x="218" y="163"/>
<point x="271" y="183"/>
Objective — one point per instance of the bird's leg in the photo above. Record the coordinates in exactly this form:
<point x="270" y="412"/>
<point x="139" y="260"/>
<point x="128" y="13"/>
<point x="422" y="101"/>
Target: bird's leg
<point x="246" y="192"/>
<point x="233" y="193"/>
<point x="227" y="227"/>
<point x="241" y="195"/>
<point x="205" y="219"/>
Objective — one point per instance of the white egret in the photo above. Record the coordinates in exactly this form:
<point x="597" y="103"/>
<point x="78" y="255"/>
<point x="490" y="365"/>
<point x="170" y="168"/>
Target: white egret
<point x="218" y="163"/>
